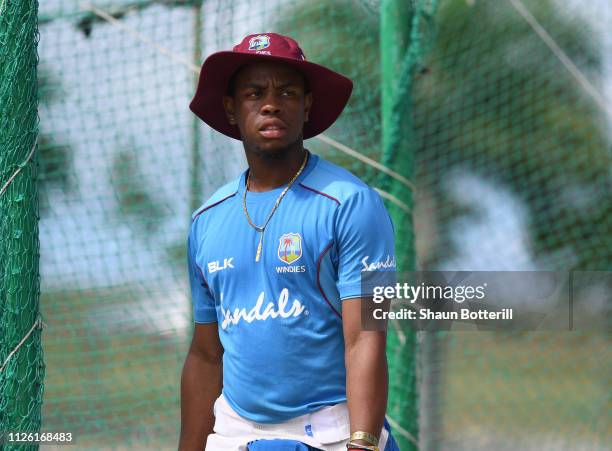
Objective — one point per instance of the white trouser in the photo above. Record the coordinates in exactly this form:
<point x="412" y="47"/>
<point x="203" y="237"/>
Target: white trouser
<point x="327" y="429"/>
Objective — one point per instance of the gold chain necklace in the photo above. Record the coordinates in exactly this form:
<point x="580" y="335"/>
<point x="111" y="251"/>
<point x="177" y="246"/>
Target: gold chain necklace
<point x="262" y="229"/>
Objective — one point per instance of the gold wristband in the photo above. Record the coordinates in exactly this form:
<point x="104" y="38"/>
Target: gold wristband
<point x="366" y="436"/>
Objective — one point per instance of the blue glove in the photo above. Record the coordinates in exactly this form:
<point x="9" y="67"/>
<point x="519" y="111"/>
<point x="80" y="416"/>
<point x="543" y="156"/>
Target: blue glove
<point x="279" y="445"/>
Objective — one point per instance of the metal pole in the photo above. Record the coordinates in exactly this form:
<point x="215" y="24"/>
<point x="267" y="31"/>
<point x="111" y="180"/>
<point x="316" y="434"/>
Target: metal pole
<point x="431" y="384"/>
<point x="21" y="359"/>
<point x="195" y="183"/>
<point x="395" y="24"/>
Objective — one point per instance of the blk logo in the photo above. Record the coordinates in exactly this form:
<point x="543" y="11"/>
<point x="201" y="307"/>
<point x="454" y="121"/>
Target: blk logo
<point x="215" y="266"/>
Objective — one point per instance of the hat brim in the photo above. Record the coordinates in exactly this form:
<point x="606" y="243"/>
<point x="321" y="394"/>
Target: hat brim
<point x="330" y="91"/>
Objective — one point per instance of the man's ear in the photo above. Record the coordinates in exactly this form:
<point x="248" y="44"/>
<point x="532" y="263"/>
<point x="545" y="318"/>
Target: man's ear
<point x="307" y="106"/>
<point x="228" y="105"/>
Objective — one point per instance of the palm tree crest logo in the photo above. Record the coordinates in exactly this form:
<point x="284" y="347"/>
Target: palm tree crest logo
<point x="290" y="247"/>
<point x="259" y="42"/>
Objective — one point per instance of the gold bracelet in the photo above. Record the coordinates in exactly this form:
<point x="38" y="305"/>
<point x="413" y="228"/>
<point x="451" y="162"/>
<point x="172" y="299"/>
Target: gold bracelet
<point x="366" y="436"/>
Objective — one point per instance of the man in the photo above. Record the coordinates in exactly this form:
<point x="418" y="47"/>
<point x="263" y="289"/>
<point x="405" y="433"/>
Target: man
<point x="278" y="358"/>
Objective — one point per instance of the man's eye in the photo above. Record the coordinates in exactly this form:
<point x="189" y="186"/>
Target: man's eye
<point x="288" y="93"/>
<point x="252" y="94"/>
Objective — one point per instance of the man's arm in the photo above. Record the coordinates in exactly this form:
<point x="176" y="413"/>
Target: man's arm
<point x="201" y="384"/>
<point x="366" y="372"/>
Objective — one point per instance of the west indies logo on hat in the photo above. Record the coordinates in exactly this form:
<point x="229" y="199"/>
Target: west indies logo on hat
<point x="259" y="42"/>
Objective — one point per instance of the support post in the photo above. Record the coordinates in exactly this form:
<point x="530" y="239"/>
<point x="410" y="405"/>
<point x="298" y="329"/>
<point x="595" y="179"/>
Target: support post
<point x="395" y="26"/>
<point x="195" y="185"/>
<point x="21" y="359"/>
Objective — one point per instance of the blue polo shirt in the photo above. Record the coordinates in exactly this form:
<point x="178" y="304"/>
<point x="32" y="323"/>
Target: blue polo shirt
<point x="280" y="319"/>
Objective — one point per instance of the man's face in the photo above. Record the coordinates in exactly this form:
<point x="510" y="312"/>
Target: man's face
<point x="269" y="105"/>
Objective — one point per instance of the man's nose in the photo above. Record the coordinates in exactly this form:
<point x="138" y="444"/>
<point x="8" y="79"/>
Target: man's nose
<point x="270" y="104"/>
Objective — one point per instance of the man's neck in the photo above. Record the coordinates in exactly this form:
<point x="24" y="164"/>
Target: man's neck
<point x="268" y="172"/>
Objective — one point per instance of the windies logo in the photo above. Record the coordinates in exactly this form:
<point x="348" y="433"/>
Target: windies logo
<point x="290" y="247"/>
<point x="259" y="42"/>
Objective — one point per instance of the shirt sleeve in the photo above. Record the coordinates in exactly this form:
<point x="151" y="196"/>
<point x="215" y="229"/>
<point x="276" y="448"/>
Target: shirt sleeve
<point x="202" y="299"/>
<point x="365" y="242"/>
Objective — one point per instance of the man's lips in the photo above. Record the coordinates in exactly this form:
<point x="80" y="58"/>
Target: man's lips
<point x="273" y="132"/>
<point x="273" y="129"/>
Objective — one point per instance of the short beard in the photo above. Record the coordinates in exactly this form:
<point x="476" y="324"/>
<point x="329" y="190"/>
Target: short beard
<point x="278" y="154"/>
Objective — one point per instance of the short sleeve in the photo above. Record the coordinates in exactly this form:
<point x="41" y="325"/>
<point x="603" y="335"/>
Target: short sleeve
<point x="202" y="299"/>
<point x="365" y="241"/>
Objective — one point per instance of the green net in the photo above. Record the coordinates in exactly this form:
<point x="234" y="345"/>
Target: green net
<point x="513" y="167"/>
<point x="496" y="112"/>
<point x="125" y="163"/>
<point x="21" y="360"/>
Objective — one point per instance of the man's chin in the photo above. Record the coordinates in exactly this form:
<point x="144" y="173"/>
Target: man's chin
<point x="273" y="149"/>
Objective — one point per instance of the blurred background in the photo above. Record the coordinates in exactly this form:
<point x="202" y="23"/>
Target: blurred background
<point x="509" y="137"/>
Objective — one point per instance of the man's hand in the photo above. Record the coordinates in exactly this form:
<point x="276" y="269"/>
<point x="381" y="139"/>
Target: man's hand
<point x="366" y="371"/>
<point x="201" y="383"/>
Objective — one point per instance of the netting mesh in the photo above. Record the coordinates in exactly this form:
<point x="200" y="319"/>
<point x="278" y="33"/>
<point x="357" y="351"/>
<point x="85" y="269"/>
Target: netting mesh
<point x="21" y="361"/>
<point x="513" y="168"/>
<point x="127" y="185"/>
<point x="509" y="152"/>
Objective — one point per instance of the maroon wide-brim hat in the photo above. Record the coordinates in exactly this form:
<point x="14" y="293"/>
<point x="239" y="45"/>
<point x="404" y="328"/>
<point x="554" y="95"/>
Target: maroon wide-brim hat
<point x="330" y="90"/>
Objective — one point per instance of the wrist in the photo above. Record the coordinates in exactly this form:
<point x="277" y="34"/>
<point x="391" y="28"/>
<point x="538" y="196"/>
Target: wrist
<point x="362" y="441"/>
<point x="352" y="446"/>
<point x="364" y="438"/>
